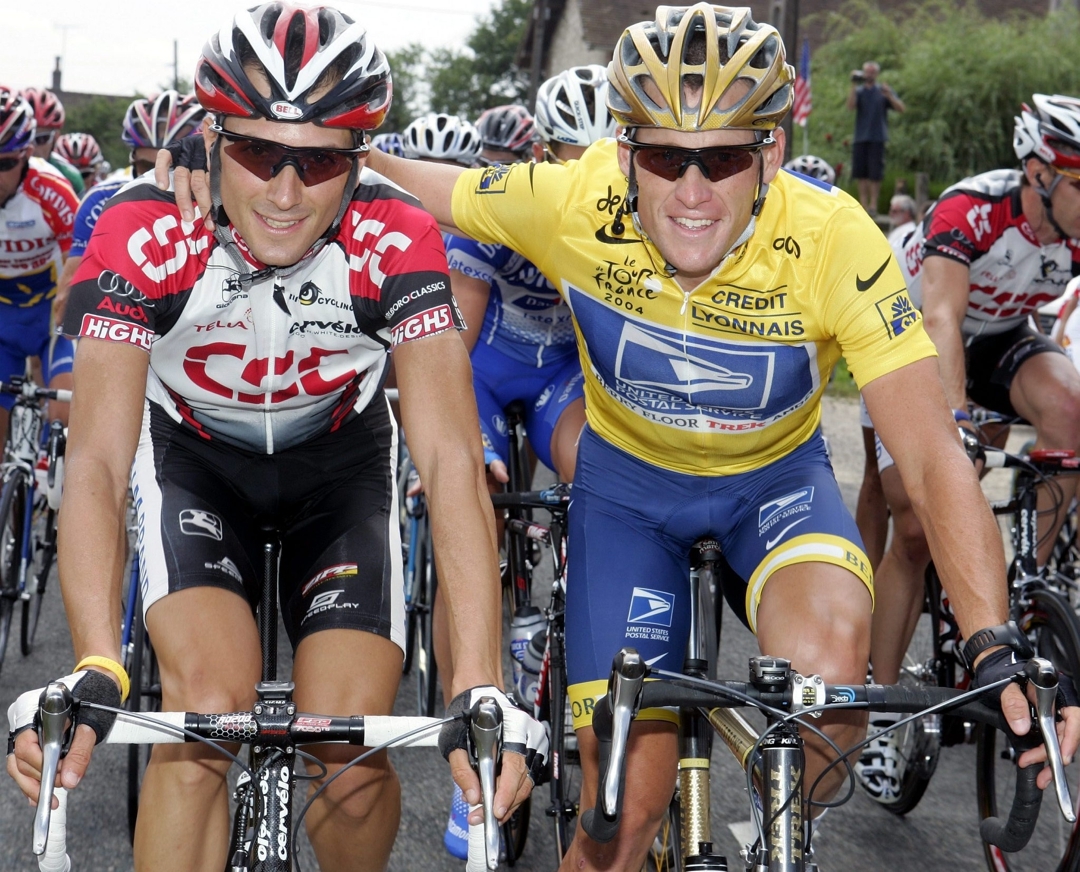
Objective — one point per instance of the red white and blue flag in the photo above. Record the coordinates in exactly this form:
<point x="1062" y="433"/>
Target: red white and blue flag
<point x="800" y="110"/>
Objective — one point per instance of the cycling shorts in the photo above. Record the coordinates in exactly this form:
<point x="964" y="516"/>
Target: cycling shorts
<point x="203" y="504"/>
<point x="547" y="391"/>
<point x="993" y="362"/>
<point x="631" y="528"/>
<point x="884" y="459"/>
<point x="22" y="337"/>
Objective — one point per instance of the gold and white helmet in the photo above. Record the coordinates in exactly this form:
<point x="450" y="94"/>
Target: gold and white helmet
<point x="739" y="75"/>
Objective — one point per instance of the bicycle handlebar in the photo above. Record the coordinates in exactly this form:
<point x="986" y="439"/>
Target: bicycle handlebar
<point x="556" y="495"/>
<point x="629" y="692"/>
<point x="56" y="718"/>
<point x="25" y="388"/>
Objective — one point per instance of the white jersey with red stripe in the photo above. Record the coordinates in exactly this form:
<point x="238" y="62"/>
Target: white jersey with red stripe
<point x="35" y="234"/>
<point x="281" y="356"/>
<point x="979" y="222"/>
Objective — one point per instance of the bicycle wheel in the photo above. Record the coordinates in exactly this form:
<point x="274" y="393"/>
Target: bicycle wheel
<point x="412" y="592"/>
<point x="919" y="742"/>
<point x="145" y="696"/>
<point x="426" y="669"/>
<point x="12" y="519"/>
<point x="44" y="548"/>
<point x="515" y="831"/>
<point x="565" y="764"/>
<point x="1055" y="844"/>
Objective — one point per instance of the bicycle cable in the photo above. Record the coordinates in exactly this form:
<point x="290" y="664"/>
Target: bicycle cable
<point x="360" y="759"/>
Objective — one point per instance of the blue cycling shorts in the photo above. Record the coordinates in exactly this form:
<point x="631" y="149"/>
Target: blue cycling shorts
<point x="26" y="333"/>
<point x="546" y="391"/>
<point x="631" y="528"/>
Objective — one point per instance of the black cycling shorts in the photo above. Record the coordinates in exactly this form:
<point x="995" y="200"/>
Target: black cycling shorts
<point x="993" y="362"/>
<point x="203" y="506"/>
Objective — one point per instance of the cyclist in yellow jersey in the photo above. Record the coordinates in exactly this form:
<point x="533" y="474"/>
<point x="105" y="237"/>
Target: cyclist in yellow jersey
<point x="712" y="293"/>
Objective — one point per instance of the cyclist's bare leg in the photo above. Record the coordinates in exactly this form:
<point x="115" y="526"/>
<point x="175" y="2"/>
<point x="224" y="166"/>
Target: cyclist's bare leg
<point x="352" y="827"/>
<point x="817" y="615"/>
<point x="564" y="439"/>
<point x="207" y="646"/>
<point x="1046" y="391"/>
<point x="898" y="583"/>
<point x="651" y="768"/>
<point x="872" y="512"/>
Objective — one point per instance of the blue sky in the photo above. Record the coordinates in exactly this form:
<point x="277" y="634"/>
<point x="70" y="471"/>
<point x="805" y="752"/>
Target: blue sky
<point x="113" y="47"/>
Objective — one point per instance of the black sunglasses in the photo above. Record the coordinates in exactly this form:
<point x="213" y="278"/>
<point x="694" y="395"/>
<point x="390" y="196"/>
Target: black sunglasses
<point x="265" y="159"/>
<point x="7" y="164"/>
<point x="716" y="164"/>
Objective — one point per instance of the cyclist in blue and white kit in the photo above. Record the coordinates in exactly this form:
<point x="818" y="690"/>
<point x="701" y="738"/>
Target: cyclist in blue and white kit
<point x="149" y="124"/>
<point x="519" y="332"/>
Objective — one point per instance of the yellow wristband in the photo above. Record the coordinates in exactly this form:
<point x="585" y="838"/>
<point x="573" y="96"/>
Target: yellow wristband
<point x="110" y="666"/>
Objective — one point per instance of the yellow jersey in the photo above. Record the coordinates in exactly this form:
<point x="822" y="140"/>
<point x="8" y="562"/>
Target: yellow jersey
<point x="725" y="378"/>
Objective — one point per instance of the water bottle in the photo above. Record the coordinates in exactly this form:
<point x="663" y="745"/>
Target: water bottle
<point x="526" y="623"/>
<point x="528" y="684"/>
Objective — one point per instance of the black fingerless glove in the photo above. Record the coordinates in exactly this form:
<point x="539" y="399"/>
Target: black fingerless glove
<point x="189" y="152"/>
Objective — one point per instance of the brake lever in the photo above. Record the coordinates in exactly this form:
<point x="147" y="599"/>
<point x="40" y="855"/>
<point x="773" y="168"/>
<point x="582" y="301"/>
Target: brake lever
<point x="54" y="734"/>
<point x="486" y="732"/>
<point x="1043" y="676"/>
<point x="627" y="679"/>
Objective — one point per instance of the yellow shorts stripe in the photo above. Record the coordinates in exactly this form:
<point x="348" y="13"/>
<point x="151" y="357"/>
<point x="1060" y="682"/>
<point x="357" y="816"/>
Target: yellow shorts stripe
<point x="583" y="699"/>
<point x="811" y="548"/>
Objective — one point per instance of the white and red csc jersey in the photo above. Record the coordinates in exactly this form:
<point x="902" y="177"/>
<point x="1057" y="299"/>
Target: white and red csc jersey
<point x="979" y="222"/>
<point x="35" y="234"/>
<point x="269" y="362"/>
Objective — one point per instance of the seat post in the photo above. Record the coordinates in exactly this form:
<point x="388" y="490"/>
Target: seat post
<point x="268" y="606"/>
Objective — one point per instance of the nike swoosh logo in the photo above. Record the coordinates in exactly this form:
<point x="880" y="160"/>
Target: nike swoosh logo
<point x="861" y="285"/>
<point x="770" y="543"/>
<point x="602" y="236"/>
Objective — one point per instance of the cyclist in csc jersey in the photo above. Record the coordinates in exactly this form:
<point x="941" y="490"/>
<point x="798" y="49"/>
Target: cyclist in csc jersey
<point x="704" y="372"/>
<point x="49" y="115"/>
<point x="241" y="370"/>
<point x="992" y="250"/>
<point x="37" y="211"/>
<point x="149" y="124"/>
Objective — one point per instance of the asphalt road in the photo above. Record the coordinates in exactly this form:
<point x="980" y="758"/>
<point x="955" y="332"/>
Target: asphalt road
<point x="940" y="834"/>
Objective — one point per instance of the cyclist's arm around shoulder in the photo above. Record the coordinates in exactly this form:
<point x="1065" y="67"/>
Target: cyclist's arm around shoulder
<point x="432" y="183"/>
<point x="945" y="291"/>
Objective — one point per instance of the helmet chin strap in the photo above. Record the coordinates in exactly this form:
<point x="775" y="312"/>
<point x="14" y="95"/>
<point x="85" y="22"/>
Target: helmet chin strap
<point x="1044" y="193"/>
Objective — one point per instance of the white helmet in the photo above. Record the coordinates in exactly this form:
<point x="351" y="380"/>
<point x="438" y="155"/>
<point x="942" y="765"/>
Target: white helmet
<point x="1041" y="132"/>
<point x="572" y="107"/>
<point x="810" y="165"/>
<point x="442" y="137"/>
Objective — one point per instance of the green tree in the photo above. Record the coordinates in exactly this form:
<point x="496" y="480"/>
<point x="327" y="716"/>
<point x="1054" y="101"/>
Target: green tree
<point x="103" y="118"/>
<point x="962" y="76"/>
<point x="406" y="67"/>
<point x="466" y="82"/>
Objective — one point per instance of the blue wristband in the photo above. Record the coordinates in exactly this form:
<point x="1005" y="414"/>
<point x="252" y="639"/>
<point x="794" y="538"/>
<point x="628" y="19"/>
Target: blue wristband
<point x="960" y="415"/>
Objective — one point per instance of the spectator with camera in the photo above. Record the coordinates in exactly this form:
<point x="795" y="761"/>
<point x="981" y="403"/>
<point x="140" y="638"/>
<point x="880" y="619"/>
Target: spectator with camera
<point x="870" y="100"/>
